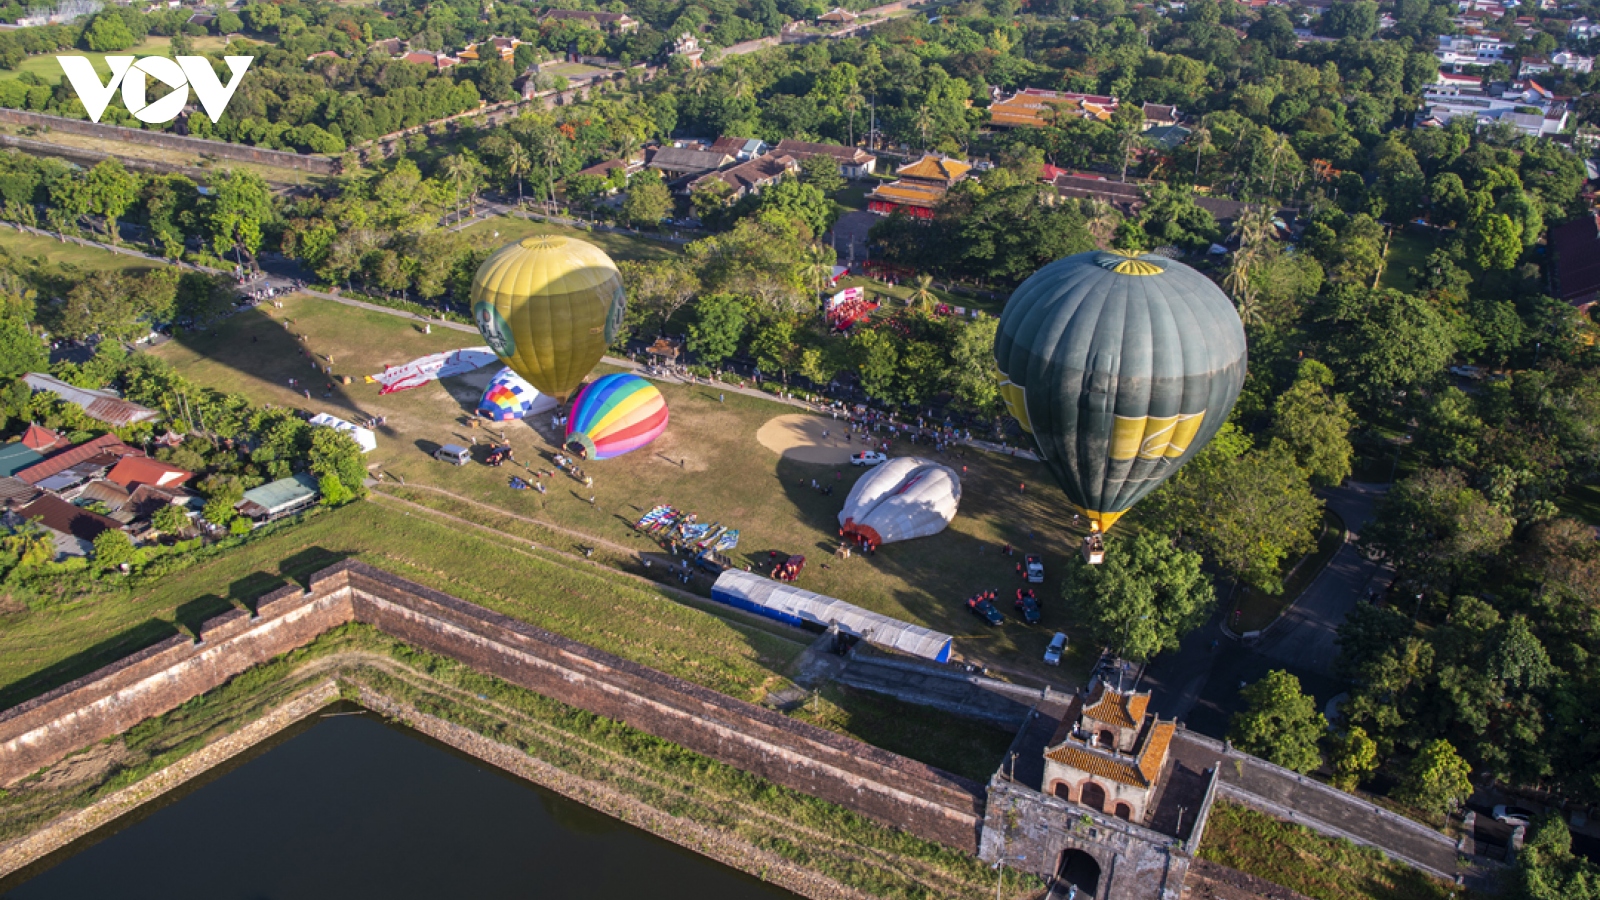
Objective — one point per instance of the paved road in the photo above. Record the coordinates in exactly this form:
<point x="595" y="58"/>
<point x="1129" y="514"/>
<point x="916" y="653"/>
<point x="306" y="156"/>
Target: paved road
<point x="1200" y="683"/>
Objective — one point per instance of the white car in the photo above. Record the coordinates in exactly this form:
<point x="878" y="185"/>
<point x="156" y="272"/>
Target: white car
<point x="1058" y="646"/>
<point x="1513" y="815"/>
<point x="868" y="458"/>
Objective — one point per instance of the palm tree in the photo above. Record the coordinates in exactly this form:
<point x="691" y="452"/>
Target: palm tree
<point x="1201" y="139"/>
<point x="456" y="167"/>
<point x="697" y="82"/>
<point x="852" y="104"/>
<point x="518" y="164"/>
<point x="549" y="144"/>
<point x="1101" y="221"/>
<point x="819" y="260"/>
<point x="924" y="123"/>
<point x="922" y="294"/>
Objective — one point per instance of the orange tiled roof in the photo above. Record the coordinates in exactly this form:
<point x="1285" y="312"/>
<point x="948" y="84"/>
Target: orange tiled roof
<point x="1099" y="765"/>
<point x="1155" y="751"/>
<point x="947" y="170"/>
<point x="913" y="194"/>
<point x="1113" y="708"/>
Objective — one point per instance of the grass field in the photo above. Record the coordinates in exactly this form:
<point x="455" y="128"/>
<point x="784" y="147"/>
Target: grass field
<point x="619" y="246"/>
<point x="51" y="252"/>
<point x="1583" y="501"/>
<point x="63" y="639"/>
<point x="1302" y="860"/>
<point x="1408" y="247"/>
<point x="707" y="462"/>
<point x="1258" y="610"/>
<point x="45" y="66"/>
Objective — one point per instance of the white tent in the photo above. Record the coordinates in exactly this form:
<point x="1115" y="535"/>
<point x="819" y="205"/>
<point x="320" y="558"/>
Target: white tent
<point x="362" y="436"/>
<point x="796" y="606"/>
<point x="902" y="499"/>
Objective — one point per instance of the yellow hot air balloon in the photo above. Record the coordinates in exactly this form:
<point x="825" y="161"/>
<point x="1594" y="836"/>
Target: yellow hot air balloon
<point x="548" y="306"/>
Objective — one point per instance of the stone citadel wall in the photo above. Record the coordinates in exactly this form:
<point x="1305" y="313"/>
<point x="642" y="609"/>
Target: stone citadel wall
<point x="304" y="162"/>
<point x="920" y="799"/>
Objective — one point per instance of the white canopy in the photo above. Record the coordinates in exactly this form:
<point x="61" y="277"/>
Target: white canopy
<point x="362" y="436"/>
<point x="902" y="499"/>
<point x="796" y="606"/>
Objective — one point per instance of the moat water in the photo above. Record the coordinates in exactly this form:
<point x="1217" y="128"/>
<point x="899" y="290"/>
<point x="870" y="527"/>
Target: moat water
<point x="350" y="808"/>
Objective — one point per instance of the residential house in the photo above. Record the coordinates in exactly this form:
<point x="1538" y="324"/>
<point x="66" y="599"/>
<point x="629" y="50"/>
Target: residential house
<point x="16" y="493"/>
<point x="42" y="439"/>
<point x="837" y="16"/>
<point x="752" y="176"/>
<point x="1534" y="65"/>
<point x="604" y="169"/>
<point x="1157" y="115"/>
<point x="1583" y="29"/>
<point x="688" y="47"/>
<point x="619" y="23"/>
<point x="438" y="61"/>
<point x="1533" y="111"/>
<point x="89" y="459"/>
<point x="16" y="456"/>
<point x="504" y="48"/>
<point x="1167" y="137"/>
<point x="1126" y="198"/>
<point x="1108" y="753"/>
<point x="1470" y="50"/>
<point x="204" y="20"/>
<point x="280" y="498"/>
<point x="918" y="187"/>
<point x="132" y="471"/>
<point x="102" y="406"/>
<point x="72" y="527"/>
<point x="1450" y="82"/>
<point x="853" y="161"/>
<point x="741" y="149"/>
<point x="678" y="162"/>
<point x="1576" y="245"/>
<point x="1572" y="62"/>
<point x="1036" y="108"/>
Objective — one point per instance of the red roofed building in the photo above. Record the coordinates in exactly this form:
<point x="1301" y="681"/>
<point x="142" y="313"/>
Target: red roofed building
<point x="41" y="439"/>
<point x="75" y="528"/>
<point x="920" y="187"/>
<point x="132" y="471"/>
<point x="1577" y="249"/>
<point x="105" y="445"/>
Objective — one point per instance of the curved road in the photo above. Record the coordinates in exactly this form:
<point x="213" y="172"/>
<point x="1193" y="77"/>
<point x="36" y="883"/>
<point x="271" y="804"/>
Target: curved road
<point x="1200" y="683"/>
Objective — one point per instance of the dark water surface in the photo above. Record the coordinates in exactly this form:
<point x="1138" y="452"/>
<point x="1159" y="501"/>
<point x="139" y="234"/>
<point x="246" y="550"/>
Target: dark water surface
<point x="353" y="808"/>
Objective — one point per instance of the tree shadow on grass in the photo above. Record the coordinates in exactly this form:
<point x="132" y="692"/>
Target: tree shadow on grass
<point x="150" y="631"/>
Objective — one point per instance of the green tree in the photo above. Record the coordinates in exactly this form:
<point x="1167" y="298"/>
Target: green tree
<point x="1437" y="529"/>
<point x="1547" y="869"/>
<point x="1381" y="342"/>
<point x="112" y="190"/>
<point x="112" y="548"/>
<point x="1354" y="757"/>
<point x="821" y="172"/>
<point x="1315" y="424"/>
<point x="1438" y="780"/>
<point x="877" y="361"/>
<point x="800" y="202"/>
<point x="219" y="509"/>
<point x="1143" y="599"/>
<point x="659" y="288"/>
<point x="336" y="454"/>
<point x="970" y="372"/>
<point x="1494" y="242"/>
<point x="1279" y="723"/>
<point x="648" y="200"/>
<point x="239" y="211"/>
<point x="21" y="351"/>
<point x="718" y="326"/>
<point x="108" y="33"/>
<point x="170" y="520"/>
<point x="773" y="347"/>
<point x="1247" y="509"/>
<point x="29" y="545"/>
<point x="333" y="491"/>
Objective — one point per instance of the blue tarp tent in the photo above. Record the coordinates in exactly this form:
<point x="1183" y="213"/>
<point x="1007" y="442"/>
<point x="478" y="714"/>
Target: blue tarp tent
<point x="796" y="606"/>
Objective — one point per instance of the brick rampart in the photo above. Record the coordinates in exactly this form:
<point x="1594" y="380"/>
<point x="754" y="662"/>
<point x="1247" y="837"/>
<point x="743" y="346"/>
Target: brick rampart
<point x="892" y="789"/>
<point x="317" y="165"/>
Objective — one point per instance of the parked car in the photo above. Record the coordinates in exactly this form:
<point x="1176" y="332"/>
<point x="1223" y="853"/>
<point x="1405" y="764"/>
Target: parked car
<point x="1033" y="564"/>
<point x="1028" y="607"/>
<point x="1513" y="815"/>
<point x="984" y="609"/>
<point x="1472" y="372"/>
<point x="454" y="454"/>
<point x="1058" y="646"/>
<point x="868" y="458"/>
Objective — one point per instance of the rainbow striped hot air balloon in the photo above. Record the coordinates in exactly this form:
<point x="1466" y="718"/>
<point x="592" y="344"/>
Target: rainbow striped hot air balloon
<point x="615" y="414"/>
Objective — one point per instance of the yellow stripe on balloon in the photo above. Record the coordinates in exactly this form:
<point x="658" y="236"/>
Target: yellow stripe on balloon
<point x="621" y="410"/>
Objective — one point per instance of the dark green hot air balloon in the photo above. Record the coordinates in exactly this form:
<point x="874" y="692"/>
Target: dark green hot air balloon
<point x="1121" y="367"/>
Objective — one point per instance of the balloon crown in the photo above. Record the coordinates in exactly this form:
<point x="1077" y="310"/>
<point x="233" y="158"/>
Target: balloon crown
<point x="542" y="242"/>
<point x="1125" y="263"/>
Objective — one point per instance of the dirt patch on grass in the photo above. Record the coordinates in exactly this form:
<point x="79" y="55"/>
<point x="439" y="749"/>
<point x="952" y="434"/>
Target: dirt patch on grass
<point x="801" y="438"/>
<point x="91" y="765"/>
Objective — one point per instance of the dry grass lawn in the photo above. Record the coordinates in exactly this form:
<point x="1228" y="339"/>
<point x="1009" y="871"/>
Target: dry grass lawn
<point x="709" y="461"/>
